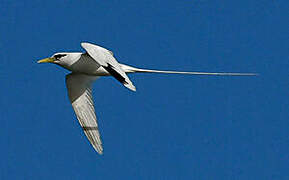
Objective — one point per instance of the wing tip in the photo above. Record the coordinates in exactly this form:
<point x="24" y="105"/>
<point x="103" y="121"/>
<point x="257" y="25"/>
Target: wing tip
<point x="130" y="86"/>
<point x="98" y="149"/>
<point x="100" y="152"/>
<point x="85" y="44"/>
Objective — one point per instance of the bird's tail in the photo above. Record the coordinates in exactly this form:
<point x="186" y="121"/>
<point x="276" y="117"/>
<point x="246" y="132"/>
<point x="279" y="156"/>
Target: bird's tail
<point x="130" y="69"/>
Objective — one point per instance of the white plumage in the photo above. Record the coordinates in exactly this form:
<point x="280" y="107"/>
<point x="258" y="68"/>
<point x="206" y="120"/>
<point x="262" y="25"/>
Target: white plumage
<point x="89" y="66"/>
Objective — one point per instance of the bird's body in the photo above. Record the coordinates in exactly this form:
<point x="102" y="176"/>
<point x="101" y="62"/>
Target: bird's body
<point x="84" y="64"/>
<point x="85" y="69"/>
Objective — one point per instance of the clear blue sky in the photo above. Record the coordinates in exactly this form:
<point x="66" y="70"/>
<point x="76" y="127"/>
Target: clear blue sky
<point x="174" y="126"/>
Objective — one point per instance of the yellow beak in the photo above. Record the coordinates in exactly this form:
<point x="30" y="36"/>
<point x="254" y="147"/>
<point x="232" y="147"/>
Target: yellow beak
<point x="46" y="60"/>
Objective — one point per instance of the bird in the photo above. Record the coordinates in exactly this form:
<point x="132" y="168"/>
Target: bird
<point x="88" y="66"/>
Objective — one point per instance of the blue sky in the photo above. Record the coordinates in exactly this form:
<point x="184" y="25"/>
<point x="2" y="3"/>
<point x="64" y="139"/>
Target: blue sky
<point x="174" y="126"/>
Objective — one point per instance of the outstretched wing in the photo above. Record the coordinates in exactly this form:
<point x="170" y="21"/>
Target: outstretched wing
<point x="79" y="92"/>
<point x="105" y="58"/>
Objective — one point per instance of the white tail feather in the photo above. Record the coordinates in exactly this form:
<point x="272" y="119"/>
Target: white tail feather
<point x="196" y="73"/>
<point x="130" y="69"/>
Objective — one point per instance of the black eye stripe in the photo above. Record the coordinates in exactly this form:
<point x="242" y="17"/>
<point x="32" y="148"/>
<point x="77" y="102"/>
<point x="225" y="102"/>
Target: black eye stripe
<point x="58" y="56"/>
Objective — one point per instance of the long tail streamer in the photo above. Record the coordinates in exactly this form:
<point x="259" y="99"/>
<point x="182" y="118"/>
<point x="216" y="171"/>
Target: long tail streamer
<point x="195" y="73"/>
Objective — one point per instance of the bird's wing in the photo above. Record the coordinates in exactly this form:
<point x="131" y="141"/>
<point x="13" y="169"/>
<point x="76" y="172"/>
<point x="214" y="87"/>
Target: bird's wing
<point x="105" y="58"/>
<point x="79" y="93"/>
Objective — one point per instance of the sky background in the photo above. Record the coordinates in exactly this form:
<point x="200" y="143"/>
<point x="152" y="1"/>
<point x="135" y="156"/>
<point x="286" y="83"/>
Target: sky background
<point x="173" y="126"/>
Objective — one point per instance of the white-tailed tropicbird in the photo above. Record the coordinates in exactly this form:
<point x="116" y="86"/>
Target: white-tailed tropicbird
<point x="85" y="69"/>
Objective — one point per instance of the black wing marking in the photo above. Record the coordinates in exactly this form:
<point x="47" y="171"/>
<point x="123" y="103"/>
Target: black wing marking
<point x="115" y="74"/>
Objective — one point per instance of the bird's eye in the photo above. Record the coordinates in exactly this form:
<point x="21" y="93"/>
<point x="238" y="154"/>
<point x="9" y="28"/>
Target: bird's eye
<point x="58" y="56"/>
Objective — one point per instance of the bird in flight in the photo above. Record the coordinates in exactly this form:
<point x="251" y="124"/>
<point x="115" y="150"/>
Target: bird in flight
<point x="85" y="69"/>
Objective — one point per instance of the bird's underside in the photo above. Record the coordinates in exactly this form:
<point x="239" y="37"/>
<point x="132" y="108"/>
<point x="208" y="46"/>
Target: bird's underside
<point x="98" y="61"/>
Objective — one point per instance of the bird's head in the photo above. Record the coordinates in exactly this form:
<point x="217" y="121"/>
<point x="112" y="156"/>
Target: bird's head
<point x="62" y="59"/>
